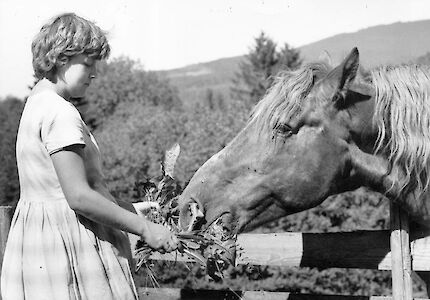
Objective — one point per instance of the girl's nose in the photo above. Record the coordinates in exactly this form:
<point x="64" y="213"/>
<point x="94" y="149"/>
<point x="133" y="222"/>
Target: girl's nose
<point x="93" y="71"/>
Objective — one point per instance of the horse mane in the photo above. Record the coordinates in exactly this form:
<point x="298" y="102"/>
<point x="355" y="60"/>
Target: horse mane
<point x="402" y="115"/>
<point x="283" y="100"/>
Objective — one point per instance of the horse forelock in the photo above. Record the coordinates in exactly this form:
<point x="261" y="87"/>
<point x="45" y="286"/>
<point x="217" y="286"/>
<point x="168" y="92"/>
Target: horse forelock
<point x="402" y="115"/>
<point x="284" y="99"/>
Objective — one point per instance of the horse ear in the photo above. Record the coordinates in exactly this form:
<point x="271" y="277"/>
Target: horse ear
<point x="360" y="91"/>
<point x="326" y="58"/>
<point x="349" y="69"/>
<point x="362" y="88"/>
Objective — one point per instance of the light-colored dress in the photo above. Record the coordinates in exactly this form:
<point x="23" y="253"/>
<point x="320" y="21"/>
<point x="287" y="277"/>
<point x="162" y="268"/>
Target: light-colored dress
<point x="51" y="252"/>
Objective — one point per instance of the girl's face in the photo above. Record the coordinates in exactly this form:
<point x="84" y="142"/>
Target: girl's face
<point x="76" y="76"/>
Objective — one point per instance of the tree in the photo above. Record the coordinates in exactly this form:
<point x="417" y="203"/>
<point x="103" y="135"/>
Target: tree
<point x="206" y="133"/>
<point x="123" y="80"/>
<point x="10" y="113"/>
<point x="262" y="63"/>
<point x="214" y="100"/>
<point x="288" y="59"/>
<point x="133" y="141"/>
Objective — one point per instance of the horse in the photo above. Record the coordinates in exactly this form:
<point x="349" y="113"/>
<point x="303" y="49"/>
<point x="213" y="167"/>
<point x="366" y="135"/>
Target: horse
<point x="317" y="132"/>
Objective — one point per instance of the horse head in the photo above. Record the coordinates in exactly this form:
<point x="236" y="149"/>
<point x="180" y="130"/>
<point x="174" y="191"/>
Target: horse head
<point x="317" y="132"/>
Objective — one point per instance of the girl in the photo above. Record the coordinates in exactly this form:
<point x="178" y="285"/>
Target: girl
<point x="68" y="237"/>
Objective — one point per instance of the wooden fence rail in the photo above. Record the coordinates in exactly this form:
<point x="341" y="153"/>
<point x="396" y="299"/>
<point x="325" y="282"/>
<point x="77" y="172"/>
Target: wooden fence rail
<point x="391" y="250"/>
<point x="383" y="250"/>
<point x="357" y="249"/>
<point x="180" y="294"/>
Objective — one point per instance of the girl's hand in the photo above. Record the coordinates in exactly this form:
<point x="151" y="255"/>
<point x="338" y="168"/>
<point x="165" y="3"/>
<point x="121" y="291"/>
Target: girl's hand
<point x="143" y="207"/>
<point x="160" y="238"/>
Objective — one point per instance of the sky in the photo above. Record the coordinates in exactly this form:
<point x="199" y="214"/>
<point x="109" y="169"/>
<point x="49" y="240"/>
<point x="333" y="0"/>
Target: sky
<point x="168" y="34"/>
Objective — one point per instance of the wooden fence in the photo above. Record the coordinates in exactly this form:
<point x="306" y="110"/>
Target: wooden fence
<point x="391" y="250"/>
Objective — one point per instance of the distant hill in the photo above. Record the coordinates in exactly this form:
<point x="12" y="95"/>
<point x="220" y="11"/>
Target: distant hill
<point x="383" y="44"/>
<point x="194" y="81"/>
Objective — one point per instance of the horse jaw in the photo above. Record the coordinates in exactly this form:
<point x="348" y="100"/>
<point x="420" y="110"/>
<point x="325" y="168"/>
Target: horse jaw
<point x="194" y="215"/>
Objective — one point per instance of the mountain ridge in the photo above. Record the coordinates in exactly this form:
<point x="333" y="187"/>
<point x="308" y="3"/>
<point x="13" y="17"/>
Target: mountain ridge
<point x="399" y="42"/>
<point x="395" y="43"/>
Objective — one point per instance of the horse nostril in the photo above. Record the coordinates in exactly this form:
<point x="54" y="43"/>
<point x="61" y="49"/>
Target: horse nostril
<point x="191" y="215"/>
<point x="196" y="215"/>
<point x="196" y="210"/>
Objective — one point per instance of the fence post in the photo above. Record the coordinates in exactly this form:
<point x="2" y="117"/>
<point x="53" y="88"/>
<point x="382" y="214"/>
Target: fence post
<point x="6" y="213"/>
<point x="400" y="254"/>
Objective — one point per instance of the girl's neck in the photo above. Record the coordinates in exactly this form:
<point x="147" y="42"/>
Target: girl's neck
<point x="46" y="84"/>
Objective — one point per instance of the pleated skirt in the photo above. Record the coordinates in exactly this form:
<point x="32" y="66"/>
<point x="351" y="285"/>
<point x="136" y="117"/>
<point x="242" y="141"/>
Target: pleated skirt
<point x="53" y="253"/>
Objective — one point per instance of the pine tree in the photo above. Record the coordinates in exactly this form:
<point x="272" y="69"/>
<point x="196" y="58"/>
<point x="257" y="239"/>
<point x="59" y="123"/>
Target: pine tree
<point x="262" y="63"/>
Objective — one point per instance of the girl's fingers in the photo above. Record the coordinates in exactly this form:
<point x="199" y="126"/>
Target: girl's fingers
<point x="171" y="244"/>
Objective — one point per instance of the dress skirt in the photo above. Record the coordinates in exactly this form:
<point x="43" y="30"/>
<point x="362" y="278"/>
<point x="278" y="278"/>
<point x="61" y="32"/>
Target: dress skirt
<point x="53" y="253"/>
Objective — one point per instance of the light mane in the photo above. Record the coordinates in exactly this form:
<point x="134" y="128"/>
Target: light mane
<point x="402" y="114"/>
<point x="283" y="100"/>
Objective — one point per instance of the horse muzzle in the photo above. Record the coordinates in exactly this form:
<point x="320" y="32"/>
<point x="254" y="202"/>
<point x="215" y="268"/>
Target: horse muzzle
<point x="191" y="215"/>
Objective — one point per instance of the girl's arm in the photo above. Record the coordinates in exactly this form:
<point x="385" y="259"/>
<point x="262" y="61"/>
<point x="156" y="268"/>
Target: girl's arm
<point x="140" y="208"/>
<point x="70" y="169"/>
<point x="102" y="188"/>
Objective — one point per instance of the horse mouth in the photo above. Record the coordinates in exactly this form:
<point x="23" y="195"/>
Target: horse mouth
<point x="191" y="215"/>
<point x="199" y="222"/>
<point x="194" y="219"/>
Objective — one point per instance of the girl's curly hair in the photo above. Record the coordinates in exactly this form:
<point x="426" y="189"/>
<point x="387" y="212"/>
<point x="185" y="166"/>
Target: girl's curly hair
<point x="65" y="36"/>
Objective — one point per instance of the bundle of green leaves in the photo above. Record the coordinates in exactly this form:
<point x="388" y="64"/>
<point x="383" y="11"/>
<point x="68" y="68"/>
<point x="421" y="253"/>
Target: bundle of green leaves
<point x="213" y="248"/>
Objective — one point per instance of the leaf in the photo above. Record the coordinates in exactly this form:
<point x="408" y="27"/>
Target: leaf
<point x="170" y="158"/>
<point x="198" y="245"/>
<point x="192" y="245"/>
<point x="199" y="258"/>
<point x="190" y="236"/>
<point x="144" y="188"/>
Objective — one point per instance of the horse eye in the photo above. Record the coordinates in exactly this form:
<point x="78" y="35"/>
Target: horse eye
<point x="284" y="129"/>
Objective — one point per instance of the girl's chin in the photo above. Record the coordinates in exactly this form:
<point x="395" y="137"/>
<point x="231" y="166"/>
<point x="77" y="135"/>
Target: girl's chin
<point x="75" y="97"/>
<point x="78" y="94"/>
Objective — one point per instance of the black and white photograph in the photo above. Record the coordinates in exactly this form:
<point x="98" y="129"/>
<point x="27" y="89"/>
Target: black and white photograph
<point x="215" y="150"/>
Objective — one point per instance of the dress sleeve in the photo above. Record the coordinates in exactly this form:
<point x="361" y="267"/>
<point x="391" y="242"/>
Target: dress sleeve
<point x="62" y="127"/>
